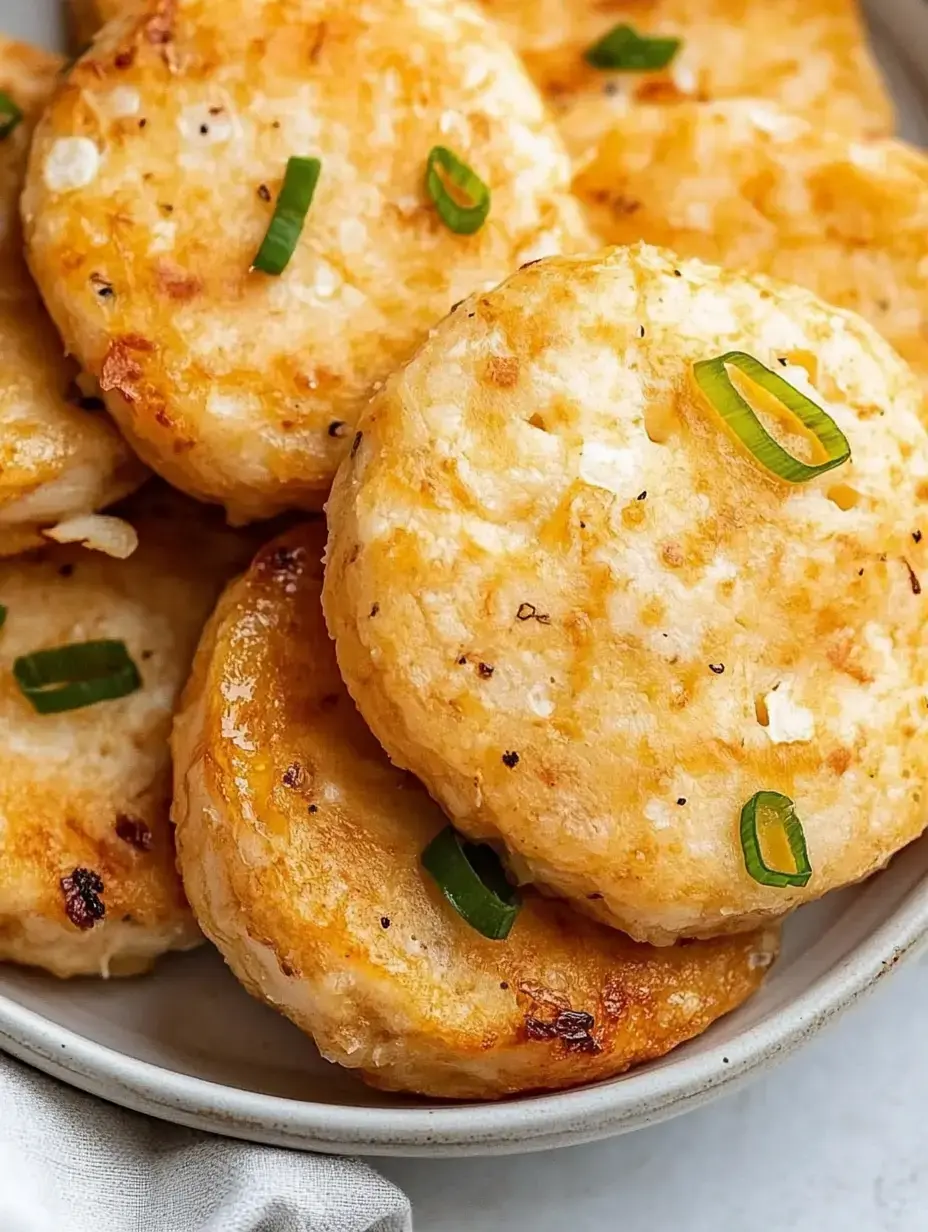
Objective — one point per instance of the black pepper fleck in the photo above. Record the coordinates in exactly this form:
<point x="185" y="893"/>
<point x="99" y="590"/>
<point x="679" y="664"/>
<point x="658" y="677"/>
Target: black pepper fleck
<point x="717" y="668"/>
<point x="784" y="362"/>
<point x="313" y="808"/>
<point x="82" y="902"/>
<point x="204" y="129"/>
<point x="915" y="583"/>
<point x="375" y="608"/>
<point x="528" y="611"/>
<point x="338" y="428"/>
<point x="293" y="775"/>
<point x="264" y="192"/>
<point x="65" y="571"/>
<point x="917" y="536"/>
<point x="485" y="670"/>
<point x="103" y="288"/>
<point x="640" y="331"/>
<point x="134" y="831"/>
<point x="860" y="573"/>
<point x="504" y="985"/>
<point x="642" y="496"/>
<point x="462" y="661"/>
<point x="142" y="122"/>
<point x="583" y="525"/>
<point x="356" y="443"/>
<point x="681" y="800"/>
<point x="384" y="921"/>
<point x="677" y="274"/>
<point x="510" y="759"/>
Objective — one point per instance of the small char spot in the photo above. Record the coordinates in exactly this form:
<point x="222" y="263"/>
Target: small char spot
<point x="595" y="897"/>
<point x="677" y="274"/>
<point x="572" y="1027"/>
<point x="264" y="192"/>
<point x="293" y="775"/>
<point x="462" y="662"/>
<point x="528" y="611"/>
<point x="384" y="921"/>
<point x="681" y="800"/>
<point x="510" y="759"/>
<point x="215" y="111"/>
<point x="485" y="670"/>
<point x="356" y="443"/>
<point x="82" y="902"/>
<point x="124" y="59"/>
<point x="166" y="207"/>
<point x="640" y="331"/>
<point x="504" y="985"/>
<point x="456" y="305"/>
<point x="314" y="808"/>
<point x="338" y="428"/>
<point x="375" y="608"/>
<point x="917" y="536"/>
<point x="913" y="580"/>
<point x="147" y="654"/>
<point x="102" y="287"/>
<point x="134" y="831"/>
<point x="204" y="129"/>
<point x="783" y="361"/>
<point x="724" y="1060"/>
<point x="142" y="122"/>
<point x="275" y="124"/>
<point x="583" y="525"/>
<point x="328" y="701"/>
<point x="65" y="571"/>
<point x="717" y="668"/>
<point x="642" y="496"/>
<point x="860" y="573"/>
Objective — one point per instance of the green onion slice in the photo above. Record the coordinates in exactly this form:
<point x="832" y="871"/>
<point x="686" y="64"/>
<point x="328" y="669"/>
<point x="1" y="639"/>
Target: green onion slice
<point x="773" y="808"/>
<point x="70" y="677"/>
<point x="624" y="49"/>
<point x="462" y="219"/>
<point x="10" y="115"/>
<point x="712" y="378"/>
<point x="471" y="877"/>
<point x="286" y="226"/>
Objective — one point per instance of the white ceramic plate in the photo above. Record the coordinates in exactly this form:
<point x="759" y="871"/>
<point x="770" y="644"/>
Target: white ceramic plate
<point x="187" y="1044"/>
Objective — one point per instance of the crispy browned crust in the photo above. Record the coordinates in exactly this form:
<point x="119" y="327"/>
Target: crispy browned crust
<point x="299" y="844"/>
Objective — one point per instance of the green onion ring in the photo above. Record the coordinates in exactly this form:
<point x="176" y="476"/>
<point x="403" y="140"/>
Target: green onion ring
<point x="10" y="115"/>
<point x="286" y="225"/>
<point x="462" y="219"/>
<point x="712" y="377"/>
<point x="785" y="812"/>
<point x="70" y="677"/>
<point x="471" y="877"/>
<point x="625" y="50"/>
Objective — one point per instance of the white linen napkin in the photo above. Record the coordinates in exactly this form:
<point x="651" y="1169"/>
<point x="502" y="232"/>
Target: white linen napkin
<point x="72" y="1163"/>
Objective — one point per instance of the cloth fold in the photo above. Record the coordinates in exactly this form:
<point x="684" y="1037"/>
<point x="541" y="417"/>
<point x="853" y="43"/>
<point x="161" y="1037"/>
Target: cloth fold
<point x="72" y="1163"/>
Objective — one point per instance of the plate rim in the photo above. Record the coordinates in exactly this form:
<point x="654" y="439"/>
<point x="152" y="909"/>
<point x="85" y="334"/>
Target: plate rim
<point x="523" y="1124"/>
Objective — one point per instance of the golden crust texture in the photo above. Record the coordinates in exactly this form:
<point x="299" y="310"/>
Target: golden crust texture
<point x="594" y="626"/>
<point x="299" y="845"/>
<point x="57" y="461"/>
<point x="85" y="794"/>
<point x="809" y="55"/>
<point x="748" y="186"/>
<point x="152" y="181"/>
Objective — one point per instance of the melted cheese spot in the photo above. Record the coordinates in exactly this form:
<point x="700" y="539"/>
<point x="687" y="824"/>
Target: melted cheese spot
<point x="603" y="466"/>
<point x="73" y="162"/>
<point x="789" y="722"/>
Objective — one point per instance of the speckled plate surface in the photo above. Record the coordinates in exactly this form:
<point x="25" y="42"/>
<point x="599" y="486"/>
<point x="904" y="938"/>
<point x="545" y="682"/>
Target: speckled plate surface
<point x="188" y="1045"/>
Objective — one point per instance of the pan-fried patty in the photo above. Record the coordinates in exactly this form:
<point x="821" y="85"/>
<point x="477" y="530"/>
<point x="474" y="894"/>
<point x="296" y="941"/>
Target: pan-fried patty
<point x="153" y="179"/>
<point x="811" y="56"/>
<point x="87" y="878"/>
<point x="57" y="459"/>
<point x="744" y="184"/>
<point x="299" y="845"/>
<point x="595" y="625"/>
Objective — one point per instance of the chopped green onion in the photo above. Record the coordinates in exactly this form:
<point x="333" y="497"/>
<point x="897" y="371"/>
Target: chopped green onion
<point x="10" y="115"/>
<point x="712" y="378"/>
<point x="293" y="202"/>
<point x="772" y="806"/>
<point x="462" y="219"/>
<point x="471" y="877"/>
<point x="70" y="677"/>
<point x="624" y="49"/>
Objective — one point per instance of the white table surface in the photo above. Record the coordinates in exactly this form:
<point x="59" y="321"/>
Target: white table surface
<point x="833" y="1140"/>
